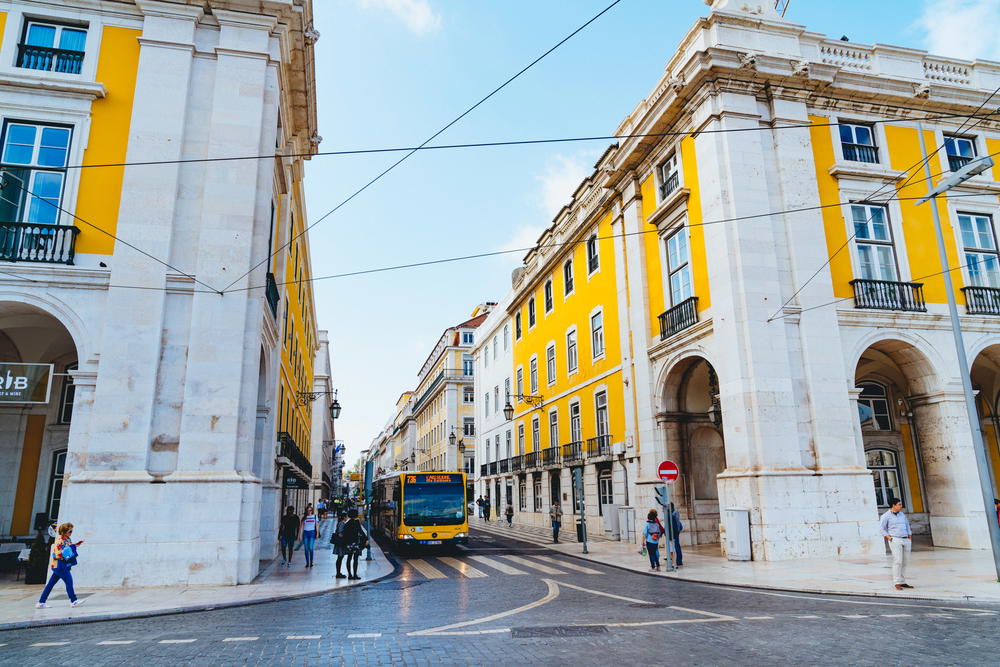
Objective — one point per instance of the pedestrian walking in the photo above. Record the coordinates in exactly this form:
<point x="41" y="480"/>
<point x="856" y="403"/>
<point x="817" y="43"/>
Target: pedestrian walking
<point x="996" y="504"/>
<point x="288" y="531"/>
<point x="309" y="525"/>
<point x="676" y="527"/>
<point x="555" y="516"/>
<point x="337" y="540"/>
<point x="486" y="509"/>
<point x="355" y="540"/>
<point x="896" y="528"/>
<point x="509" y="513"/>
<point x="652" y="534"/>
<point x="479" y="507"/>
<point x="63" y="558"/>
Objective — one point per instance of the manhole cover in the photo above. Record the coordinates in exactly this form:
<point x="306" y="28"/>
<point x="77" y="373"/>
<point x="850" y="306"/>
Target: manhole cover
<point x="648" y="605"/>
<point x="558" y="631"/>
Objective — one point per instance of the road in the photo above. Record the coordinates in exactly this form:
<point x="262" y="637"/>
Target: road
<point x="503" y="601"/>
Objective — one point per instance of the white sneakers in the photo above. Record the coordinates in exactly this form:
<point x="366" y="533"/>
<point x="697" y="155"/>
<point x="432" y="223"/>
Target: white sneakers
<point x="41" y="605"/>
<point x="77" y="602"/>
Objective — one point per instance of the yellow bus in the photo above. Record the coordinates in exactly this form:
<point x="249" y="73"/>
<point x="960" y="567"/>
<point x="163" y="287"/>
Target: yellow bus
<point x="421" y="509"/>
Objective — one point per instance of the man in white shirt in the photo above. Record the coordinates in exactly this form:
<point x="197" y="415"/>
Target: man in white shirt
<point x="896" y="528"/>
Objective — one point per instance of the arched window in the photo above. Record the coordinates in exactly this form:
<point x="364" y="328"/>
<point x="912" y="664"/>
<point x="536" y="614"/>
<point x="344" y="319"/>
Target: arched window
<point x="884" y="465"/>
<point x="873" y="407"/>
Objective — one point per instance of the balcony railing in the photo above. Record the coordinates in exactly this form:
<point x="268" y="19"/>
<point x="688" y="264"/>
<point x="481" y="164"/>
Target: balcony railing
<point x="572" y="452"/>
<point x="271" y="293"/>
<point x="531" y="460"/>
<point x="982" y="300"/>
<point x="679" y="317"/>
<point x="482" y="470"/>
<point x="504" y="466"/>
<point x="956" y="162"/>
<point x="672" y="183"/>
<point x="516" y="463"/>
<point x="551" y="457"/>
<point x="599" y="447"/>
<point x="291" y="451"/>
<point x="493" y="468"/>
<point x="29" y="242"/>
<point x="49" y="59"/>
<point x="888" y="295"/>
<point x="860" y="153"/>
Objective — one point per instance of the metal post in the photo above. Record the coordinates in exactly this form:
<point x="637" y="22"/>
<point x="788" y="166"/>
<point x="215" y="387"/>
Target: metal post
<point x="985" y="474"/>
<point x="578" y="477"/>
<point x="668" y="521"/>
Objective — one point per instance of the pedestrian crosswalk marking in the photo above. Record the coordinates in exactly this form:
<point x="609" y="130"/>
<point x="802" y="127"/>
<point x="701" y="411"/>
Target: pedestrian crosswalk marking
<point x="426" y="569"/>
<point x="462" y="567"/>
<point x="116" y="642"/>
<point x="497" y="565"/>
<point x="566" y="564"/>
<point x="177" y="641"/>
<point x="365" y="635"/>
<point x="303" y="636"/>
<point x="241" y="639"/>
<point x="537" y="566"/>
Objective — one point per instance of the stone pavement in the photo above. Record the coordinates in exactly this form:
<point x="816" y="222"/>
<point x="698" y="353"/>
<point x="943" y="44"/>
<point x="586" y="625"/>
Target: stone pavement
<point x="17" y="602"/>
<point x="936" y="573"/>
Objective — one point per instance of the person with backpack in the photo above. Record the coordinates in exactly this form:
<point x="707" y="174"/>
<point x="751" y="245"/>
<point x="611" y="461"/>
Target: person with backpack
<point x="676" y="527"/>
<point x="287" y="532"/>
<point x="64" y="554"/>
<point x="509" y="513"/>
<point x="652" y="534"/>
<point x="309" y="524"/>
<point x="354" y="539"/>
<point x="486" y="509"/>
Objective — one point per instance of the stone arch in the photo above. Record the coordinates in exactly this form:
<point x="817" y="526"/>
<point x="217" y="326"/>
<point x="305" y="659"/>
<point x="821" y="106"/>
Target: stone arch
<point x="985" y="376"/>
<point x="916" y="358"/>
<point x="63" y="313"/>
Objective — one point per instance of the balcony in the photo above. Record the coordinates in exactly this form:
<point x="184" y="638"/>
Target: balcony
<point x="956" y="162"/>
<point x="271" y="294"/>
<point x="982" y="300"/>
<point x="493" y="468"/>
<point x="551" y="457"/>
<point x="516" y="463"/>
<point x="291" y="451"/>
<point x="49" y="59"/>
<point x="599" y="447"/>
<point x="503" y="466"/>
<point x="672" y="183"/>
<point x="29" y="242"/>
<point x="482" y="470"/>
<point x="531" y="460"/>
<point x="573" y="452"/>
<point x="888" y="295"/>
<point x="860" y="153"/>
<point x="679" y="317"/>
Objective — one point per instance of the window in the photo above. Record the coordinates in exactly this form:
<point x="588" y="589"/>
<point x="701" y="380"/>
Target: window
<point x="601" y="412"/>
<point x="884" y="466"/>
<point x="52" y="48"/>
<point x="56" y="483"/>
<point x="517" y="326"/>
<point x="520" y="439"/>
<point x="670" y="177"/>
<point x="858" y="143"/>
<point x="486" y="356"/>
<point x="509" y="452"/>
<point x="960" y="151"/>
<point x="575" y="433"/>
<point x="506" y="388"/>
<point x="679" y="267"/>
<point x="496" y="399"/>
<point x="506" y="337"/>
<point x="468" y="395"/>
<point x="554" y="428"/>
<point x="486" y="404"/>
<point x="468" y="426"/>
<point x="533" y="374"/>
<point x="494" y="347"/>
<point x="593" y="261"/>
<point x="550" y="363"/>
<point x="67" y="396"/>
<point x="980" y="247"/>
<point x="538" y="493"/>
<point x="873" y="407"/>
<point x="605" y="488"/>
<point x="571" y="359"/>
<point x="467" y="338"/>
<point x="520" y="382"/>
<point x="535" y="444"/>
<point x="876" y="255"/>
<point x="34" y="162"/>
<point x="467" y="364"/>
<point x="597" y="334"/>
<point x="522" y="493"/>
<point x="568" y="277"/>
<point x="548" y="296"/>
<point x="531" y="312"/>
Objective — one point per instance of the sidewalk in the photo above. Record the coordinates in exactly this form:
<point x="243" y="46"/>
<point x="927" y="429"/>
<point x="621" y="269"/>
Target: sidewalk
<point x="17" y="602"/>
<point x="936" y="573"/>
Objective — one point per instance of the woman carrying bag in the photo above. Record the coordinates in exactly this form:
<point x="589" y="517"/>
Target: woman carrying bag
<point x="652" y="534"/>
<point x="355" y="540"/>
<point x="63" y="558"/>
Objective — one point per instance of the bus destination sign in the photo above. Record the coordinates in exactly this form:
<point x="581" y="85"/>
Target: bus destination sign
<point x="433" y="479"/>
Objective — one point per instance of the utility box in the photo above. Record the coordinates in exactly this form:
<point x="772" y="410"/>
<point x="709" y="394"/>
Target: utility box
<point x="610" y="515"/>
<point x="738" y="534"/>
<point x="626" y="523"/>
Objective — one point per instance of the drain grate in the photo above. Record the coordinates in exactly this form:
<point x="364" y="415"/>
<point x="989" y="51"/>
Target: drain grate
<point x="558" y="631"/>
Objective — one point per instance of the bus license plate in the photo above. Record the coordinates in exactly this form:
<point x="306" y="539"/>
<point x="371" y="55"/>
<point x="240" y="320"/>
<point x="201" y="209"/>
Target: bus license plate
<point x="432" y="542"/>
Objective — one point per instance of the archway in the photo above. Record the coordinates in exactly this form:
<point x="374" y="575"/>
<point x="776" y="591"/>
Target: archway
<point x="985" y="373"/>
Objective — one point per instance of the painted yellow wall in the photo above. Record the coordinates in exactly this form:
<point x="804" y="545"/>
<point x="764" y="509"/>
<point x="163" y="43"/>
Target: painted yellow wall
<point x="655" y="270"/>
<point x="27" y="476"/>
<point x="3" y="23"/>
<point x="699" y="261"/>
<point x="829" y="196"/>
<point x="100" y="188"/>
<point x="912" y="476"/>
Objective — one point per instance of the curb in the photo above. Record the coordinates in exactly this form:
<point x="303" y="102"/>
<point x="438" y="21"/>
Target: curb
<point x="170" y="611"/>
<point x="759" y="587"/>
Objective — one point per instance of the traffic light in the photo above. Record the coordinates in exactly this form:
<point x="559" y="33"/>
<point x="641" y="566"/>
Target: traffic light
<point x="661" y="496"/>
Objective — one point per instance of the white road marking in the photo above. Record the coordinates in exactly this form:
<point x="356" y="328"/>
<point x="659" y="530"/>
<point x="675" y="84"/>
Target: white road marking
<point x="566" y="564"/>
<point x="758" y="618"/>
<point x="116" y="642"/>
<point x="177" y="641"/>
<point x="497" y="565"/>
<point x="536" y="566"/>
<point x="941" y="615"/>
<point x="303" y="637"/>
<point x="241" y="639"/>
<point x="365" y="635"/>
<point x="807" y="616"/>
<point x="50" y="644"/>
<point x="426" y="569"/>
<point x="853" y="616"/>
<point x="896" y="615"/>
<point x="551" y="595"/>
<point x="462" y="567"/>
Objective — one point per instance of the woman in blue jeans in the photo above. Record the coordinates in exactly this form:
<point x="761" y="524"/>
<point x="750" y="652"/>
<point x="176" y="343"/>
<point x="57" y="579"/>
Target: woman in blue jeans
<point x="63" y="558"/>
<point x="652" y="534"/>
<point x="309" y="522"/>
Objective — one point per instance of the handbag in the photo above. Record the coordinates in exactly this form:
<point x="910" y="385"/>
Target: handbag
<point x="68" y="552"/>
<point x="642" y="551"/>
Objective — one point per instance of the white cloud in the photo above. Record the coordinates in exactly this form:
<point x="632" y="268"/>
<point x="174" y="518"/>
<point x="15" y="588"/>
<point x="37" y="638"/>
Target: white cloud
<point x="525" y="236"/>
<point x="961" y="28"/>
<point x="416" y="15"/>
<point x="560" y="178"/>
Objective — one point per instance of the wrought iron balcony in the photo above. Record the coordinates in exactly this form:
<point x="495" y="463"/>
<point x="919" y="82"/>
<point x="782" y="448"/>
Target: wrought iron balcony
<point x="30" y="242"/>
<point x="956" y="162"/>
<point x="493" y="468"/>
<point x="982" y="300"/>
<point x="599" y="447"/>
<point x="860" y="153"/>
<point x="271" y="294"/>
<point x="482" y="470"/>
<point x="504" y="466"/>
<point x="531" y="460"/>
<point x="888" y="295"/>
<point x="516" y="463"/>
<point x="551" y="457"/>
<point x="572" y="452"/>
<point x="672" y="183"/>
<point x="679" y="317"/>
<point x="49" y="59"/>
<point x="291" y="451"/>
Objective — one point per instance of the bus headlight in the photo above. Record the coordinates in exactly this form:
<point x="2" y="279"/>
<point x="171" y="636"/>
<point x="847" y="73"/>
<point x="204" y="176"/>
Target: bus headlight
<point x="459" y="535"/>
<point x="407" y="537"/>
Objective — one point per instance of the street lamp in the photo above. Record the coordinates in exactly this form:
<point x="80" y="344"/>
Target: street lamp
<point x="310" y="396"/>
<point x="530" y="399"/>
<point x="973" y="168"/>
<point x="508" y="411"/>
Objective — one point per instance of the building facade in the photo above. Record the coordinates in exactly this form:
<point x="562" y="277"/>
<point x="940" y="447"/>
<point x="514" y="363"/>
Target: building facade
<point x="149" y="291"/>
<point x="756" y="295"/>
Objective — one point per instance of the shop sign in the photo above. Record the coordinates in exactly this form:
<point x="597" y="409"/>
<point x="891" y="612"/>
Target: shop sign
<point x="293" y="481"/>
<point x="25" y="383"/>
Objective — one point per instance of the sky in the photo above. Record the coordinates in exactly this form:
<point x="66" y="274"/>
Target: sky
<point x="390" y="73"/>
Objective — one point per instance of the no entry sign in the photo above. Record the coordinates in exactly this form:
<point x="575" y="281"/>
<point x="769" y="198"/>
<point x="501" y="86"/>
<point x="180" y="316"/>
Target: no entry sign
<point x="668" y="471"/>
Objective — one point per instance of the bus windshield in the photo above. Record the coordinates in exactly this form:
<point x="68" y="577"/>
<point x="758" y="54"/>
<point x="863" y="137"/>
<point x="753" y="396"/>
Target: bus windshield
<point x="433" y="504"/>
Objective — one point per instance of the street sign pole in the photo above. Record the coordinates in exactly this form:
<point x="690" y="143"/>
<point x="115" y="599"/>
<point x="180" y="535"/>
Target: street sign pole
<point x="668" y="472"/>
<point x="578" y="487"/>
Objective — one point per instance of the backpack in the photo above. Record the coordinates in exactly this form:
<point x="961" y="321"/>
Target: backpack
<point x="655" y="533"/>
